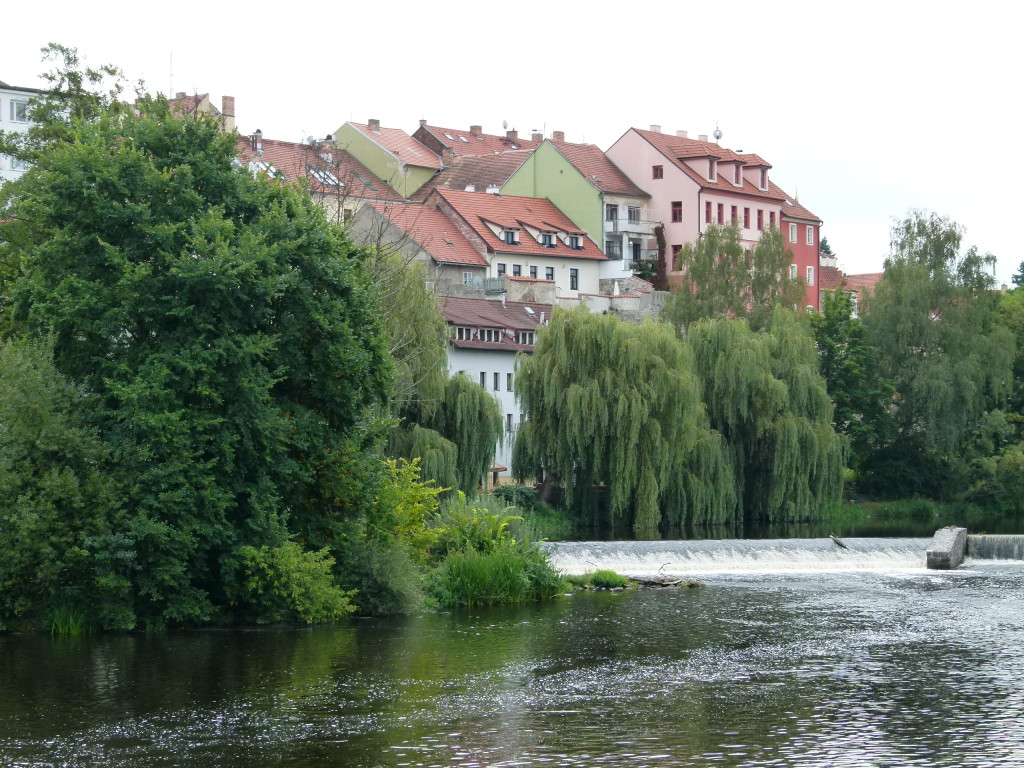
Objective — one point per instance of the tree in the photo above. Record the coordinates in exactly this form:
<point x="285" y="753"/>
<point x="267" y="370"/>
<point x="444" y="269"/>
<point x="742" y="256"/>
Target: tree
<point x="933" y="322"/>
<point x="226" y="332"/>
<point x="861" y="396"/>
<point x="765" y="396"/>
<point x="824" y="248"/>
<point x="613" y="411"/>
<point x="724" y="279"/>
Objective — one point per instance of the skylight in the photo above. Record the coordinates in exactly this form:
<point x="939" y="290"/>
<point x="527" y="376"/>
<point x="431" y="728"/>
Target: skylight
<point x="325" y="177"/>
<point x="464" y="139"/>
<point x="449" y="137"/>
<point x="366" y="182"/>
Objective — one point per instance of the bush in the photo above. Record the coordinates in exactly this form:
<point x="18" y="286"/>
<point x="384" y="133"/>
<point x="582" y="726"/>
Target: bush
<point x="509" y="574"/>
<point x="608" y="580"/>
<point x="538" y="521"/>
<point x="385" y="576"/>
<point x="481" y="525"/>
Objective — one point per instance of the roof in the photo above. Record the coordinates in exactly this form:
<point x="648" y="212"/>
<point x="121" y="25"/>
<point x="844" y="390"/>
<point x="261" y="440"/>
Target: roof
<point x="678" y="148"/>
<point x="479" y="208"/>
<point x="190" y="104"/>
<point x="829" y="278"/>
<point x="433" y="232"/>
<point x="792" y="209"/>
<point x="401" y="145"/>
<point x="319" y="166"/>
<point x="598" y="169"/>
<point x="484" y="313"/>
<point x="10" y="87"/>
<point x="863" y="283"/>
<point x="465" y="143"/>
<point x="482" y="171"/>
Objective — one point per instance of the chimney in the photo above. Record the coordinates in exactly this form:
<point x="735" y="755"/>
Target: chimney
<point x="702" y="137"/>
<point x="558" y="135"/>
<point x="537" y="136"/>
<point x="471" y="187"/>
<point x="423" y="122"/>
<point x="512" y="135"/>
<point x="655" y="128"/>
<point x="681" y="134"/>
<point x="256" y="142"/>
<point x="447" y="157"/>
<point x="227" y="112"/>
<point x="476" y="130"/>
<point x="373" y="124"/>
<point x="179" y="95"/>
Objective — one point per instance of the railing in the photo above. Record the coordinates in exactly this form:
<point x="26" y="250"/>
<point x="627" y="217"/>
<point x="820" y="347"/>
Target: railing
<point x="486" y="284"/>
<point x="632" y="226"/>
<point x="613" y="249"/>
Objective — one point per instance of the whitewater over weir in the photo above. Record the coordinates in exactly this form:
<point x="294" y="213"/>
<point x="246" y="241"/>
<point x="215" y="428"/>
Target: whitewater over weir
<point x="647" y="558"/>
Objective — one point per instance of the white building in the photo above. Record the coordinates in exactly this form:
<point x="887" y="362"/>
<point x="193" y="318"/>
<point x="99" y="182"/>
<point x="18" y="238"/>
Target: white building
<point x="13" y="117"/>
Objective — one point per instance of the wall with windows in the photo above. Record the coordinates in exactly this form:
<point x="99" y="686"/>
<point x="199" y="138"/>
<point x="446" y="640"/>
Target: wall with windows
<point x="559" y="269"/>
<point x="13" y="117"/>
<point x="801" y="237"/>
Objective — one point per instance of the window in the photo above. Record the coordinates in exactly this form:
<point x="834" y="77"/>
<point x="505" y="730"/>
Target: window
<point x="760" y="219"/>
<point x="712" y="170"/>
<point x="810" y="235"/>
<point x="522" y="337"/>
<point x="508" y="422"/>
<point x="771" y="219"/>
<point x="707" y="212"/>
<point x="574" y="279"/>
<point x="461" y="332"/>
<point x="734" y="218"/>
<point x="792" y="233"/>
<point x="517" y="270"/>
<point x="510" y="236"/>
<point x="347" y="214"/>
<point x="467" y="278"/>
<point x="611" y="212"/>
<point x="721" y="213"/>
<point x="325" y="177"/>
<point x="501" y="269"/>
<point x="675" y="254"/>
<point x="657" y="172"/>
<point x="508" y="380"/>
<point x="792" y="271"/>
<point x="533" y="273"/>
<point x="634" y="247"/>
<point x="574" y="243"/>
<point x="677" y="210"/>
<point x="19" y="164"/>
<point x="497" y="381"/>
<point x="19" y="111"/>
<point x="810" y="275"/>
<point x="746" y="218"/>
<point x="549" y="273"/>
<point x="634" y="214"/>
<point x="764" y="178"/>
<point x="483" y="379"/>
<point x="547" y="240"/>
<point x="737" y="178"/>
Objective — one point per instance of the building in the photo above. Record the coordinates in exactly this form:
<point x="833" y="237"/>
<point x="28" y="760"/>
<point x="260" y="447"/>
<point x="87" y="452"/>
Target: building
<point x="450" y="143"/>
<point x="200" y="104"/>
<point x="486" y="338"/>
<point x="390" y="153"/>
<point x="801" y="232"/>
<point x="14" y="117"/>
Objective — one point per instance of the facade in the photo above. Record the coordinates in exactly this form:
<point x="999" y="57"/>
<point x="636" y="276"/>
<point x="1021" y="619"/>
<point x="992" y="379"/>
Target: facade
<point x="390" y="153"/>
<point x="801" y="232"/>
<point x="14" y="117"/>
<point x="200" y="103"/>
<point x="486" y="338"/>
<point x="592" y="191"/>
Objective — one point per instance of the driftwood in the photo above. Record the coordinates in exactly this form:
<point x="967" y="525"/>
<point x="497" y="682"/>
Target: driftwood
<point x="663" y="581"/>
<point x="837" y="542"/>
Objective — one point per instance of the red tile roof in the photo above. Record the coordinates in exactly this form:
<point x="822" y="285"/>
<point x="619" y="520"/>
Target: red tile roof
<point x="865" y="283"/>
<point x="481" y="171"/>
<point x="301" y="161"/>
<point x="477" y="208"/>
<point x="595" y="166"/>
<point x="829" y="278"/>
<point x="401" y="145"/>
<point x="434" y="232"/>
<point x="676" y="148"/>
<point x="465" y="143"/>
<point x="791" y="209"/>
<point x="486" y="313"/>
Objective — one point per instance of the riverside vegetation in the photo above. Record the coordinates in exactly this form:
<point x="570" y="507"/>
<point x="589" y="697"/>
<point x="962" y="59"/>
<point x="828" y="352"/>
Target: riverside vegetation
<point x="212" y="409"/>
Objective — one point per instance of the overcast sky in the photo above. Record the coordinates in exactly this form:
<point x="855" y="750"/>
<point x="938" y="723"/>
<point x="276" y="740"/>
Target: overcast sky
<point x="864" y="113"/>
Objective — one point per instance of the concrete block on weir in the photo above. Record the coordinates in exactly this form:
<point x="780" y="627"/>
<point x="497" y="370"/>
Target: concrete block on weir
<point x="948" y="548"/>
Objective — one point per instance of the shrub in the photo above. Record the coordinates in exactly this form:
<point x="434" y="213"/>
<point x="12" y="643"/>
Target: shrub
<point x="384" y="575"/>
<point x="510" y="574"/>
<point x="481" y="525"/>
<point x="608" y="580"/>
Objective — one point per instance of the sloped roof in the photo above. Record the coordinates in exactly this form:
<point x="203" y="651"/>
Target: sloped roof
<point x="829" y="278"/>
<point x="864" y="283"/>
<point x="600" y="171"/>
<point x="10" y="87"/>
<point x="401" y="145"/>
<point x="791" y="209"/>
<point x="483" y="313"/>
<point x="297" y="160"/>
<point x="433" y="232"/>
<point x="465" y="143"/>
<point x="677" y="148"/>
<point x="479" y="170"/>
<point x="477" y="208"/>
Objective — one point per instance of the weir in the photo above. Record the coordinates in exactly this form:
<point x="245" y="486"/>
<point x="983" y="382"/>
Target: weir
<point x="982" y="546"/>
<point x="646" y="558"/>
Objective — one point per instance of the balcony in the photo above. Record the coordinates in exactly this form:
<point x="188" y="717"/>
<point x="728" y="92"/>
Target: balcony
<point x="613" y="249"/>
<point x="630" y="226"/>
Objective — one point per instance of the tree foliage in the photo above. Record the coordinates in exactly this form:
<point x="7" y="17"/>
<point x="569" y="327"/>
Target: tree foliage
<point x="613" y="410"/>
<point x="723" y="279"/>
<point x="933" y="323"/>
<point x="765" y="396"/>
<point x="226" y="333"/>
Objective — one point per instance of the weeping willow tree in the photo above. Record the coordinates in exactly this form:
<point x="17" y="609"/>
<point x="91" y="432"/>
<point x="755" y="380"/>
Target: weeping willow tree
<point x="933" y="321"/>
<point x="764" y="394"/>
<point x="722" y="278"/>
<point x="613" y="412"/>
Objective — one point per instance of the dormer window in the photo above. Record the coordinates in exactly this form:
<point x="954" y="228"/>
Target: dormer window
<point x="547" y="240"/>
<point x="510" y="236"/>
<point x="764" y="178"/>
<point x="712" y="169"/>
<point x="573" y="242"/>
<point x="737" y="176"/>
<point x="523" y="337"/>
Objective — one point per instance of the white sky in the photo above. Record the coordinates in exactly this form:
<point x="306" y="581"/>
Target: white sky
<point x="865" y="110"/>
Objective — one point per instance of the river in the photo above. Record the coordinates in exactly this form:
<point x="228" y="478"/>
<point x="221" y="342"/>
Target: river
<point x="826" y="665"/>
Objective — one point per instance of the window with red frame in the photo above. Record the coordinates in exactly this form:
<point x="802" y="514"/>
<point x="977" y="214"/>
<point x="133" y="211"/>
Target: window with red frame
<point x="657" y="171"/>
<point x="677" y="210"/>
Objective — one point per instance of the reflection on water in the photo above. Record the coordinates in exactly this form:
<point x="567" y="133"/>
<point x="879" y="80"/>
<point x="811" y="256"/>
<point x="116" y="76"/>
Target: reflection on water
<point x="898" y="667"/>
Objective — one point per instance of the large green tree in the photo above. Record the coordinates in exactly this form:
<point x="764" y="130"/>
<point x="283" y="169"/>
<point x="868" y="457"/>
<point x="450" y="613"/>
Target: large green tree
<point x="933" y="323"/>
<point x="723" y="278"/>
<point x="765" y="396"/>
<point x="613" y="413"/>
<point x="227" y="335"/>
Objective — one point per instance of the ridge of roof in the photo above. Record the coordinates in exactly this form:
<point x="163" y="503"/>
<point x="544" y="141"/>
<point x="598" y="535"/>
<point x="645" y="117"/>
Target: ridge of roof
<point x="400" y="144"/>
<point x="598" y="169"/>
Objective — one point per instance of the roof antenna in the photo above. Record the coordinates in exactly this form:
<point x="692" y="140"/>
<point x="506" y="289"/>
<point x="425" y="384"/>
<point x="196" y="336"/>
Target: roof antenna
<point x="717" y="134"/>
